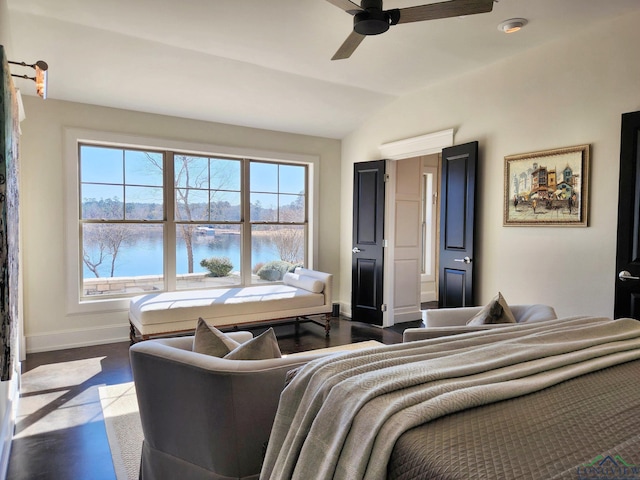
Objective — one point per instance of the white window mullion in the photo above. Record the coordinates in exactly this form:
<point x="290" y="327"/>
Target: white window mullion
<point x="308" y="201"/>
<point x="169" y="224"/>
<point x="245" y="228"/>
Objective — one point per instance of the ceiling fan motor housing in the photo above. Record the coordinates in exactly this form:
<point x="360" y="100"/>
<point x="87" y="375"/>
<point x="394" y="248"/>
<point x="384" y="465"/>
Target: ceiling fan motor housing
<point x="372" y="20"/>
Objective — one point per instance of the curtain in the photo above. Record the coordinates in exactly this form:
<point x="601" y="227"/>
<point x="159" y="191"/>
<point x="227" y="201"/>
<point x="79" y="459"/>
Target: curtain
<point x="8" y="219"/>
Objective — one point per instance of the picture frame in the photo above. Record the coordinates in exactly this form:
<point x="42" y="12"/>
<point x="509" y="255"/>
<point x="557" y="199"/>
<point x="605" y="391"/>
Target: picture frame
<point x="547" y="188"/>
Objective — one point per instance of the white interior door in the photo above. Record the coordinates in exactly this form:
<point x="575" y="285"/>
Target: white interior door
<point x="408" y="240"/>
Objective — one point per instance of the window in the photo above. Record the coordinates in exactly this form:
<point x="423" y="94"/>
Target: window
<point x="151" y="220"/>
<point x="429" y="206"/>
<point x="277" y="198"/>
<point x="121" y="218"/>
<point x="208" y="221"/>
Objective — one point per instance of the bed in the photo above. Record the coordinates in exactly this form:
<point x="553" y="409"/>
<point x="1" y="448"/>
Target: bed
<point x="557" y="399"/>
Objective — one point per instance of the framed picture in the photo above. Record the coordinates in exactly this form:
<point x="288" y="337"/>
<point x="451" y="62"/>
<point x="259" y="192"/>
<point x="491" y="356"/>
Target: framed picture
<point x="547" y="188"/>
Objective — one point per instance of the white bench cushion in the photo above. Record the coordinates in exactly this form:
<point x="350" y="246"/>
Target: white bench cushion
<point x="187" y="306"/>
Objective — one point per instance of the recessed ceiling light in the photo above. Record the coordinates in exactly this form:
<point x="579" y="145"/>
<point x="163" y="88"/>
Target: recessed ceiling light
<point x="512" y="25"/>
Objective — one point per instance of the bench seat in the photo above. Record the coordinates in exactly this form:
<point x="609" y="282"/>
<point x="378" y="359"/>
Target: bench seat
<point x="175" y="312"/>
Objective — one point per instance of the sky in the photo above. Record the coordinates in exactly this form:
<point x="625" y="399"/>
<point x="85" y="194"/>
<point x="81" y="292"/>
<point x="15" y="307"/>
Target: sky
<point x="104" y="171"/>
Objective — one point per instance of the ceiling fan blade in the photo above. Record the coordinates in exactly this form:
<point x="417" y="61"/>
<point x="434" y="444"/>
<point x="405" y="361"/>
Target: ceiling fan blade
<point x="348" y="47"/>
<point x="452" y="8"/>
<point x="346" y="5"/>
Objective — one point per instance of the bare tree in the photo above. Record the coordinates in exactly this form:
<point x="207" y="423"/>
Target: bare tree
<point x="94" y="263"/>
<point x="116" y="234"/>
<point x="289" y="242"/>
<point x="104" y="241"/>
<point x="183" y="206"/>
<point x="186" y="178"/>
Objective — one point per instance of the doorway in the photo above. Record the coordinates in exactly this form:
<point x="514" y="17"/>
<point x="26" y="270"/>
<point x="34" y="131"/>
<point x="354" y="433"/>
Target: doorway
<point x="410" y="236"/>
<point x="421" y="146"/>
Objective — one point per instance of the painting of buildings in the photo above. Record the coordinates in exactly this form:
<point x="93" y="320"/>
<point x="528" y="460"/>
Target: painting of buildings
<point x="547" y="188"/>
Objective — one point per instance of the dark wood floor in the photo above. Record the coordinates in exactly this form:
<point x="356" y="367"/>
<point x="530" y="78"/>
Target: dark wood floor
<point x="60" y="432"/>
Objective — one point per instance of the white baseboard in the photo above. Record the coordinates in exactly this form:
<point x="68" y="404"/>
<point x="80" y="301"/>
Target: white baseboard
<point x="345" y="309"/>
<point x="428" y="297"/>
<point x="46" y="342"/>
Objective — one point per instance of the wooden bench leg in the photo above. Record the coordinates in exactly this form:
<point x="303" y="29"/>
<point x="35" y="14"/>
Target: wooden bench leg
<point x="132" y="334"/>
<point x="327" y="324"/>
<point x="135" y="336"/>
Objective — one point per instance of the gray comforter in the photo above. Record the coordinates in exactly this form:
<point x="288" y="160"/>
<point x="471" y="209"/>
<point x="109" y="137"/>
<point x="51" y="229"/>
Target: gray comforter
<point x="341" y="416"/>
<point x="585" y="428"/>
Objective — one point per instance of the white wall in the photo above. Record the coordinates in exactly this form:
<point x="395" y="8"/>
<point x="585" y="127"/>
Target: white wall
<point x="5" y="27"/>
<point x="567" y="93"/>
<point x="48" y="326"/>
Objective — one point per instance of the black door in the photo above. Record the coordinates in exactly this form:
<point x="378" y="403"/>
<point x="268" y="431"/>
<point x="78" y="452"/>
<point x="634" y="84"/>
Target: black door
<point x="368" y="236"/>
<point x="457" y="229"/>
<point x="627" y="301"/>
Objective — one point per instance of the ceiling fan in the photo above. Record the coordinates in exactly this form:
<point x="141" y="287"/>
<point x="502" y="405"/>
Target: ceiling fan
<point x="370" y="19"/>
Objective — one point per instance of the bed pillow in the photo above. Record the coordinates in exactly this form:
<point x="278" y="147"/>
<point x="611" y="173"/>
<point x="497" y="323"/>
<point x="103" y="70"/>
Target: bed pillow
<point x="262" y="347"/>
<point x="304" y="282"/>
<point x="496" y="311"/>
<point x="211" y="341"/>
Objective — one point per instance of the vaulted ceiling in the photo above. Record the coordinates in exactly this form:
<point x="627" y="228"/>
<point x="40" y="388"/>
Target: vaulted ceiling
<point x="267" y="63"/>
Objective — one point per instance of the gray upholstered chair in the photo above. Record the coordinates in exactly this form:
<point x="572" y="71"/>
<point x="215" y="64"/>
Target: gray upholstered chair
<point x="205" y="417"/>
<point x="451" y="321"/>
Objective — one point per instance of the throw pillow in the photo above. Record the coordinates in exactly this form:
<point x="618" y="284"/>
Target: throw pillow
<point x="303" y="281"/>
<point x="496" y="311"/>
<point x="262" y="347"/>
<point x="211" y="341"/>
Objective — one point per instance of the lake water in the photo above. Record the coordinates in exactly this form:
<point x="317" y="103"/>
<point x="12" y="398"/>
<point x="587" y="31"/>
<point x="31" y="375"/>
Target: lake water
<point x="144" y="255"/>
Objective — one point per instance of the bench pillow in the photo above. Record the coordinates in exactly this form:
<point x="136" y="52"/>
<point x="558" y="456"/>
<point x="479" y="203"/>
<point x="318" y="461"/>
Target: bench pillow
<point x="304" y="282"/>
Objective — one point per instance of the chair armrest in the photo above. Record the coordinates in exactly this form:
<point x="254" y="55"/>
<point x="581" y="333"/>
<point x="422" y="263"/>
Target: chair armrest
<point x="449" y="317"/>
<point x="533" y="313"/>
<point x="186" y="342"/>
<point x="415" y="334"/>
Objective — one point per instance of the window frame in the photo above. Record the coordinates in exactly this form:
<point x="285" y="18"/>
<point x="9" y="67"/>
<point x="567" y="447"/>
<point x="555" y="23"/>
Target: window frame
<point x="429" y="216"/>
<point x="73" y="137"/>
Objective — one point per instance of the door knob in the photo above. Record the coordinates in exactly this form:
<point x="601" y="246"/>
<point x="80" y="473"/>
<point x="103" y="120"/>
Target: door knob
<point x="624" y="275"/>
<point x="356" y="250"/>
<point x="466" y="260"/>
